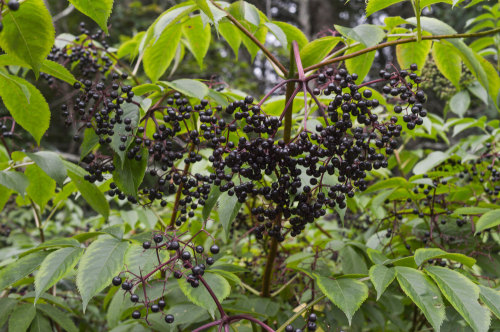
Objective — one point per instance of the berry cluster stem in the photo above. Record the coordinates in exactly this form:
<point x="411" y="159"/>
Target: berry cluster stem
<point x="290" y="89"/>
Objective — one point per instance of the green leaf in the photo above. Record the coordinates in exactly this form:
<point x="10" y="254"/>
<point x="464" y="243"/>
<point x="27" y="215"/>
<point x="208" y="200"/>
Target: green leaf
<point x="352" y="261"/>
<point x="413" y="53"/>
<point x="32" y="114"/>
<point x="128" y="177"/>
<point x="58" y="71"/>
<point x="231" y="34"/>
<point x="463" y="295"/>
<point x="347" y="294"/>
<point x="491" y="298"/>
<point x="448" y="61"/>
<point x="393" y="182"/>
<point x="360" y="64"/>
<point x="373" y="6"/>
<point x="5" y="194"/>
<point x="90" y="141"/>
<point x="200" y="295"/>
<point x="119" y="303"/>
<point x="54" y="267"/>
<point x="203" y="5"/>
<point x="99" y="11"/>
<point x="317" y="50"/>
<point x="20" y="320"/>
<point x="61" y="242"/>
<point x="185" y="314"/>
<point x="20" y="268"/>
<point x="250" y="13"/>
<point x="227" y="210"/>
<point x="278" y="33"/>
<point x="252" y="48"/>
<point x="217" y="15"/>
<point x="159" y="55"/>
<point x="424" y="254"/>
<point x="28" y="33"/>
<point x="479" y="91"/>
<point x="460" y="102"/>
<point x="188" y="87"/>
<point x="58" y="316"/>
<point x="198" y="38"/>
<point x="213" y="196"/>
<point x="492" y="77"/>
<point x="367" y="34"/>
<point x="424" y="293"/>
<point x="116" y="231"/>
<point x="41" y="188"/>
<point x="432" y="160"/>
<point x="292" y="34"/>
<point x="146" y="88"/>
<point x="139" y="260"/>
<point x="40" y="324"/>
<point x="51" y="164"/>
<point x="90" y="193"/>
<point x="102" y="261"/>
<point x="130" y="111"/>
<point x="6" y="306"/>
<point x="169" y="17"/>
<point x="381" y="277"/>
<point x="471" y="210"/>
<point x="49" y="67"/>
<point x="488" y="220"/>
<point x="14" y="180"/>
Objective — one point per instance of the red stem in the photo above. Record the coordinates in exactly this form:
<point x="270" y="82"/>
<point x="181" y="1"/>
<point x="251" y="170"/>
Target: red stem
<point x="252" y="319"/>
<point x="206" y="326"/>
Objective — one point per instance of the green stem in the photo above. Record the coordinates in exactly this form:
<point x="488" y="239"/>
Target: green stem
<point x="416" y="9"/>
<point x="38" y="223"/>
<point x="397" y="42"/>
<point x="300" y="312"/>
<point x="289" y="282"/>
<point x="250" y="288"/>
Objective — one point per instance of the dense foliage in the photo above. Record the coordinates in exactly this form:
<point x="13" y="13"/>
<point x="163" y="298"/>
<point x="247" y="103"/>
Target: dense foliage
<point x="340" y="199"/>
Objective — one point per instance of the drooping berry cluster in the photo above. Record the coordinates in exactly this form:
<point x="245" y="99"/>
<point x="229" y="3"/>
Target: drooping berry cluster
<point x="186" y="260"/>
<point x="86" y="54"/>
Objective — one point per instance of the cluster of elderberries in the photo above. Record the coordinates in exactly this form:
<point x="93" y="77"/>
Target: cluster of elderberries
<point x="12" y="5"/>
<point x="287" y="176"/>
<point x="103" y="103"/>
<point x="86" y="54"/>
<point x="186" y="260"/>
<point x="353" y="142"/>
<point x="436" y="203"/>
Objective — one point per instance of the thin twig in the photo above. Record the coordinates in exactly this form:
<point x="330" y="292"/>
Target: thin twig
<point x="397" y="42"/>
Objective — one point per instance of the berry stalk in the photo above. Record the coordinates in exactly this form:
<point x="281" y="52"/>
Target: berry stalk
<point x="287" y="130"/>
